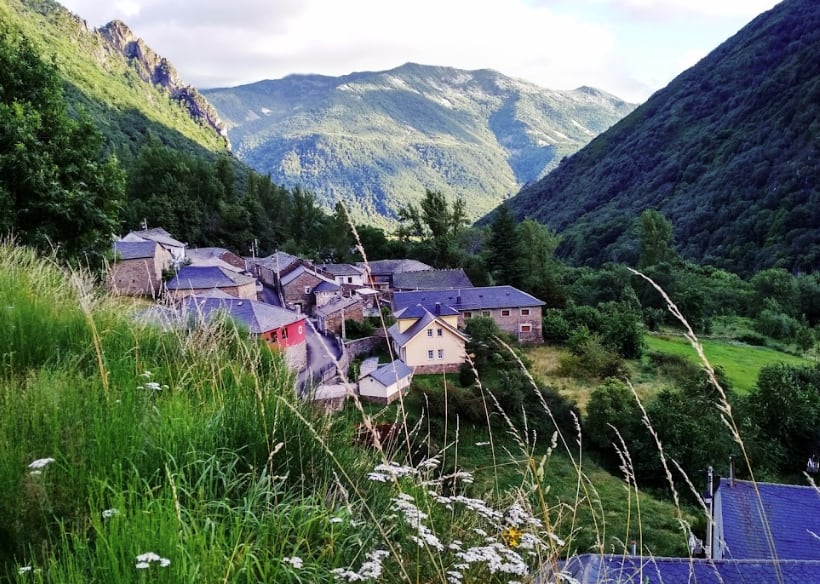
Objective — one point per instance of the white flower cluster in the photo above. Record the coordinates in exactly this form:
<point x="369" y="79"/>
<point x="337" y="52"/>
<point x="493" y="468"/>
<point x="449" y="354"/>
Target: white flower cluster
<point x="150" y="385"/>
<point x="371" y="569"/>
<point x="392" y="470"/>
<point x="414" y="517"/>
<point x="40" y="463"/>
<point x="109" y="513"/>
<point x="145" y="560"/>
<point x="517" y="516"/>
<point x="497" y="557"/>
<point x="294" y="561"/>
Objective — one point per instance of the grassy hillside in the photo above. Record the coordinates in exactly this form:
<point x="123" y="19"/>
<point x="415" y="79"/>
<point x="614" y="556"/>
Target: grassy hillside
<point x="103" y="84"/>
<point x="378" y="140"/>
<point x="131" y="453"/>
<point x="728" y="152"/>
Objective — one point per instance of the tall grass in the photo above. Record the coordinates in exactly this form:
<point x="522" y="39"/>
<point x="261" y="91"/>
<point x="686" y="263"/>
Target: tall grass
<point x="191" y="447"/>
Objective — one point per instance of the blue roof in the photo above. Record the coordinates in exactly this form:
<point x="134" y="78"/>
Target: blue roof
<point x="486" y="297"/>
<point x="325" y="286"/>
<point x="202" y="277"/>
<point x="610" y="569"/>
<point x="419" y="311"/>
<point x="259" y="317"/>
<point x="792" y="513"/>
<point x="432" y="280"/>
<point x="391" y="372"/>
<point x="133" y="250"/>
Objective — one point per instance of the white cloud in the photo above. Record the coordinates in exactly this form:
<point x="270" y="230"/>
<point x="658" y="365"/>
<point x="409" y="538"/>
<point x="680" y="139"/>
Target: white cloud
<point x="558" y="44"/>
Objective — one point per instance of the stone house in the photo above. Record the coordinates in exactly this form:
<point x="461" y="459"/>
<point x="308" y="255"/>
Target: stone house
<point x="298" y="286"/>
<point x="163" y="238"/>
<point x="330" y="317"/>
<point x="138" y="268"/>
<point x="194" y="280"/>
<point x="513" y="310"/>
<point x="216" y="256"/>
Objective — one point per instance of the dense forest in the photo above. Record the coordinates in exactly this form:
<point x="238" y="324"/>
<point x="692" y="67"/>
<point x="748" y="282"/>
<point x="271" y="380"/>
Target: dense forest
<point x="728" y="152"/>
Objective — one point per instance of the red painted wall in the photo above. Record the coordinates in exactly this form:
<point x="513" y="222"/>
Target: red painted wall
<point x="287" y="336"/>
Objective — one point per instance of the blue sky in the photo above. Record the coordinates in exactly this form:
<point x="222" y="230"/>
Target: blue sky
<point x="630" y="48"/>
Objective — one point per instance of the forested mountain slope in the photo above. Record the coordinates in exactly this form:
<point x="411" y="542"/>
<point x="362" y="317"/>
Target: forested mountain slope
<point x="728" y="152"/>
<point x="378" y="140"/>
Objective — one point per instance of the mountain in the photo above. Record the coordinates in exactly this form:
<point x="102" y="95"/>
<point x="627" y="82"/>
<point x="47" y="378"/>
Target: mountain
<point x="729" y="152"/>
<point x="377" y="140"/>
<point x="120" y="82"/>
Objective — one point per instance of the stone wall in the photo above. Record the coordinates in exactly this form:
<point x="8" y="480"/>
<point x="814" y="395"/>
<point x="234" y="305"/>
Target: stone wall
<point x="362" y="346"/>
<point x="512" y="321"/>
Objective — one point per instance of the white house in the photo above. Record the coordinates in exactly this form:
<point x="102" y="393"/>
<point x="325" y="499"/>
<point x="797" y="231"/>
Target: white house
<point x="385" y="384"/>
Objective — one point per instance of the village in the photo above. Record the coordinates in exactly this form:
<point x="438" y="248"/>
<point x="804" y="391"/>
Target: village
<point x="303" y="309"/>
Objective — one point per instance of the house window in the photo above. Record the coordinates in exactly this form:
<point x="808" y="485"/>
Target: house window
<point x="525" y="312"/>
<point x="307" y="289"/>
<point x="505" y="312"/>
<point x="441" y="353"/>
<point x="441" y="332"/>
<point x="350" y="279"/>
<point x="525" y="328"/>
<point x="485" y="313"/>
<point x="468" y="314"/>
<point x="429" y="332"/>
<point x="430" y="355"/>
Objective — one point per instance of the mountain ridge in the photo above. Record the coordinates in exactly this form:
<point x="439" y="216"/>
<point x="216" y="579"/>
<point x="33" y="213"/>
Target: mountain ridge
<point x="378" y="140"/>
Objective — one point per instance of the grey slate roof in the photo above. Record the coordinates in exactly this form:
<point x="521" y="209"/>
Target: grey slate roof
<point x="336" y="305"/>
<point x="325" y="286"/>
<point x="611" y="569"/>
<point x="257" y="316"/>
<point x="202" y="277"/>
<point x="391" y="372"/>
<point x="159" y="235"/>
<point x="277" y="261"/>
<point x="202" y="253"/>
<point x="298" y="271"/>
<point x="135" y="250"/>
<point x="418" y="311"/>
<point x="792" y="513"/>
<point x="389" y="267"/>
<point x="341" y="269"/>
<point x="486" y="297"/>
<point x="432" y="280"/>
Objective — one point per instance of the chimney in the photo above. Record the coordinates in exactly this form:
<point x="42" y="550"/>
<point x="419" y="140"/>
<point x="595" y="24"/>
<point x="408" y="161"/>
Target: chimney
<point x="633" y="547"/>
<point x="438" y="307"/>
<point x="732" y="471"/>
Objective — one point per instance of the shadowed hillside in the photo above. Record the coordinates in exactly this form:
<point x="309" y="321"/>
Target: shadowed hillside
<point x="728" y="152"/>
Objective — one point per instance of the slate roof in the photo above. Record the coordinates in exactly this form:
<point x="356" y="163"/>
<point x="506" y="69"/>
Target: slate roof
<point x="486" y="297"/>
<point x="341" y="269"/>
<point x="202" y="277"/>
<point x="135" y="250"/>
<point x="257" y="316"/>
<point x="418" y="311"/>
<point x="213" y="261"/>
<point x="792" y="513"/>
<point x="402" y="338"/>
<point x="335" y="305"/>
<point x="609" y="569"/>
<point x="432" y="280"/>
<point x="202" y="253"/>
<point x="389" y="267"/>
<point x="325" y="286"/>
<point x="277" y="261"/>
<point x="157" y="234"/>
<point x="390" y="373"/>
<point x="298" y="271"/>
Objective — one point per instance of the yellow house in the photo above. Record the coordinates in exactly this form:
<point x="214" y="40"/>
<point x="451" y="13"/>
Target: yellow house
<point x="428" y="341"/>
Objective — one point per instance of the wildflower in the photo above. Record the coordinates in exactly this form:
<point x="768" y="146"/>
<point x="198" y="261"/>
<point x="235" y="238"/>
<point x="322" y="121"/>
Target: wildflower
<point x="146" y="374"/>
<point x="144" y="561"/>
<point x="23" y="570"/>
<point x="496" y="557"/>
<point x="336" y="519"/>
<point x="40" y="463"/>
<point x="294" y="561"/>
<point x="511" y="537"/>
<point x="370" y="569"/>
<point x="109" y="513"/>
<point x="482" y="443"/>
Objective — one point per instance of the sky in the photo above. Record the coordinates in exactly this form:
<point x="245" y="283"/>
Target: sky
<point x="630" y="48"/>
